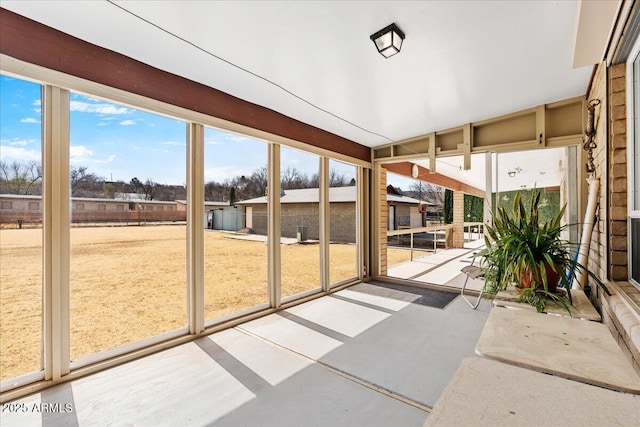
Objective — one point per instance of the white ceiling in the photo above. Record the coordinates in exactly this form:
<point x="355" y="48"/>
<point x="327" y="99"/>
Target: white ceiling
<point x="533" y="169"/>
<point x="313" y="60"/>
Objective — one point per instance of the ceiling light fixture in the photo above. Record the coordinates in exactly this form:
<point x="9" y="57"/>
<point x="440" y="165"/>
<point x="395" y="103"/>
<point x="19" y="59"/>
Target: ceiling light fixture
<point x="513" y="172"/>
<point x="388" y="41"/>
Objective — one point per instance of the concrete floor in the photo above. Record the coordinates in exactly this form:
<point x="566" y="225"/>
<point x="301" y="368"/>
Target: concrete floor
<point x="441" y="268"/>
<point x="364" y="356"/>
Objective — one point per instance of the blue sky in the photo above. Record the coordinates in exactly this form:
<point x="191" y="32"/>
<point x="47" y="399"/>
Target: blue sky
<point x="118" y="143"/>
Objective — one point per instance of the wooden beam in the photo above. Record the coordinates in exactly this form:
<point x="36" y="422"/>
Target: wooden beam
<point x="404" y="169"/>
<point x="558" y="124"/>
<point x="30" y="41"/>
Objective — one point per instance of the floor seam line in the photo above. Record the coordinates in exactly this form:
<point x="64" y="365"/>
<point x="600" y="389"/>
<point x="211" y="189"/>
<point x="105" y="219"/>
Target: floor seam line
<point x="341" y="373"/>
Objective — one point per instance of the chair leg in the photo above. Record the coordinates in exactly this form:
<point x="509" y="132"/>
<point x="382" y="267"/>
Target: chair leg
<point x="475" y="304"/>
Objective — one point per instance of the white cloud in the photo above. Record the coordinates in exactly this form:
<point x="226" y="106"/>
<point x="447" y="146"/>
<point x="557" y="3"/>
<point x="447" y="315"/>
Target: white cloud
<point x="175" y="143"/>
<point x="38" y="104"/>
<point x="102" y="108"/>
<point x="102" y="124"/>
<point x="18" y="153"/>
<point x="221" y="173"/>
<point x="79" y="153"/>
<point x="127" y="122"/>
<point x="109" y="159"/>
<point x="29" y="120"/>
<point x="17" y="142"/>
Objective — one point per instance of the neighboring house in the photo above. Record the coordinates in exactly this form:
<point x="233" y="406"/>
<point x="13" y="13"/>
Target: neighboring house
<point x="300" y="213"/>
<point x="210" y="209"/>
<point x="208" y="205"/>
<point x="28" y="209"/>
<point x="14" y="208"/>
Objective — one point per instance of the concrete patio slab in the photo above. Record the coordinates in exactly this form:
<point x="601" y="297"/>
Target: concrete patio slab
<point x="416" y="364"/>
<point x="369" y="355"/>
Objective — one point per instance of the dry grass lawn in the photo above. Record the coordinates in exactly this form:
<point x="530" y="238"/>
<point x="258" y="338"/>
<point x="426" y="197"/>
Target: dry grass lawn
<point x="128" y="283"/>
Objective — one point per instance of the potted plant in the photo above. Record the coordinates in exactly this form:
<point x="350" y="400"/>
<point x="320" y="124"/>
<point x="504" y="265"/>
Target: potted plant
<point x="530" y="253"/>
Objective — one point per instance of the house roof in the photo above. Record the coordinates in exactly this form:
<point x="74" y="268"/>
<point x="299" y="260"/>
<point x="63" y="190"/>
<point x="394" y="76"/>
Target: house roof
<point x="336" y="195"/>
<point x="207" y="203"/>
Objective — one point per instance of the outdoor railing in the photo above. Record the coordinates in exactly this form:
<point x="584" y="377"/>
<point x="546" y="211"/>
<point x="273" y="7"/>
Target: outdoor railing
<point x="474" y="228"/>
<point x="435" y="229"/>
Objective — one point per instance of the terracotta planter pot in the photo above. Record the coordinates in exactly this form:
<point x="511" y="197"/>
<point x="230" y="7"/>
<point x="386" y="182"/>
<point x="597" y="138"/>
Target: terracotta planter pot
<point x="527" y="278"/>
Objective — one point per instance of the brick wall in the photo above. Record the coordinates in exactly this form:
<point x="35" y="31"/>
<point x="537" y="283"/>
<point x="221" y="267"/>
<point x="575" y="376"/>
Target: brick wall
<point x="458" y="219"/>
<point x="342" y="220"/>
<point x="608" y="251"/>
<point x="382" y="226"/>
<point x="294" y="215"/>
<point x="598" y="247"/>
<point x="618" y="174"/>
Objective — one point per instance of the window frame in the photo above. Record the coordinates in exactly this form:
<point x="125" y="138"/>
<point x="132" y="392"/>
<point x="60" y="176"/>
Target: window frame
<point x="633" y="152"/>
<point x="57" y="364"/>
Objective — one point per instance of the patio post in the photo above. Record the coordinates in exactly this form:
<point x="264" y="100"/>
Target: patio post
<point x="458" y="219"/>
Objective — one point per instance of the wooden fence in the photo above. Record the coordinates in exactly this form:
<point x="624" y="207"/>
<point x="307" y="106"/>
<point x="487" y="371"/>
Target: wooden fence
<point x="30" y="218"/>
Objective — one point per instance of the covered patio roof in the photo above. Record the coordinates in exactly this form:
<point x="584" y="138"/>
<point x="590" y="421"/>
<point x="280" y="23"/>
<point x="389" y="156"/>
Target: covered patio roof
<point x="313" y="62"/>
<point x="461" y="62"/>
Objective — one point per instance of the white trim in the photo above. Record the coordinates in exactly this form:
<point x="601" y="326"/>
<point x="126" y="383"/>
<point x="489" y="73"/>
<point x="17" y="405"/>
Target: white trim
<point x="20" y="381"/>
<point x="632" y="119"/>
<point x="274" y="227"/>
<point x="357" y="266"/>
<point x="325" y="278"/>
<point x="195" y="232"/>
<point x="303" y="294"/>
<point x="364" y="190"/>
<point x="633" y="125"/>
<point x="56" y="222"/>
<point x="125" y="349"/>
<point x="218" y="323"/>
<point x="595" y="22"/>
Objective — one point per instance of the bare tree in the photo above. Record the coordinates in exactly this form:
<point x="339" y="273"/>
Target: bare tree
<point x="314" y="181"/>
<point x="85" y="183"/>
<point x="292" y="178"/>
<point x="429" y="193"/>
<point x="149" y="189"/>
<point x="21" y="178"/>
<point x="214" y="191"/>
<point x="336" y="179"/>
<point x="257" y="186"/>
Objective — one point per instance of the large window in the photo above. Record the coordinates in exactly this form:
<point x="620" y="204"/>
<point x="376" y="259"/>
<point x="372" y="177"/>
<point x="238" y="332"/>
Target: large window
<point x="343" y="195"/>
<point x="412" y="204"/>
<point x="300" y="222"/>
<point x="20" y="228"/>
<point x="235" y="242"/>
<point x="128" y="267"/>
<point x="122" y="280"/>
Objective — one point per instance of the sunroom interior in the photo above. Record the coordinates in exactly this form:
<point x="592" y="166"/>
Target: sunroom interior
<point x="483" y="99"/>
